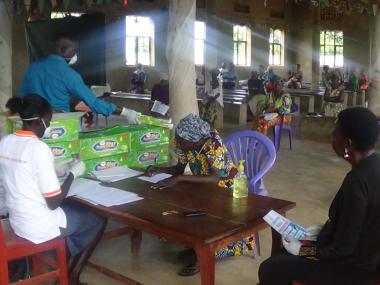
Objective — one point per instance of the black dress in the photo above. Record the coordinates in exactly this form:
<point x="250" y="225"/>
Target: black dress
<point x="348" y="246"/>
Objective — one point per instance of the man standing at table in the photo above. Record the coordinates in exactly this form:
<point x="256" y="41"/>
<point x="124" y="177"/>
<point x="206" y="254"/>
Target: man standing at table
<point x="53" y="79"/>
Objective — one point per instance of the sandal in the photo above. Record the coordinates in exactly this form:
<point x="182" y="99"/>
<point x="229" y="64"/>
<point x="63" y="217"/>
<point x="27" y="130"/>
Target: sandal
<point x="190" y="269"/>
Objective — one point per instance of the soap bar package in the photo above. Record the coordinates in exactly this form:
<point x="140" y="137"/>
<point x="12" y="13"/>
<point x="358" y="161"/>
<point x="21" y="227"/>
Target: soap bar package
<point x="102" y="163"/>
<point x="103" y="143"/>
<point x="64" y="150"/>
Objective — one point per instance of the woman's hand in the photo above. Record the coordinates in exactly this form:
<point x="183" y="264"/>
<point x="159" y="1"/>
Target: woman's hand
<point x="151" y="170"/>
<point x="313" y="232"/>
<point x="291" y="245"/>
<point x="166" y="183"/>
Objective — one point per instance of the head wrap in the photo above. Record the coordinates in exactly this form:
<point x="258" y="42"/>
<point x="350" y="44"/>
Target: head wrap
<point x="193" y="129"/>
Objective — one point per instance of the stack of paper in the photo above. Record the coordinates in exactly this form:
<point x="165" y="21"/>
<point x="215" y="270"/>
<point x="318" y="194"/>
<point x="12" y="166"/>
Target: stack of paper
<point x="97" y="194"/>
<point x="115" y="174"/>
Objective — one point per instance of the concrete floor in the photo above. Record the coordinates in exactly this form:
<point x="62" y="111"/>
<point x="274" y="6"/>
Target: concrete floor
<point x="310" y="175"/>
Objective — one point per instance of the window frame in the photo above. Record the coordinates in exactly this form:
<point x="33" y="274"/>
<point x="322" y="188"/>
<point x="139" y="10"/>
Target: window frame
<point x="335" y="46"/>
<point x="137" y="39"/>
<point x="273" y="44"/>
<point x="247" y="46"/>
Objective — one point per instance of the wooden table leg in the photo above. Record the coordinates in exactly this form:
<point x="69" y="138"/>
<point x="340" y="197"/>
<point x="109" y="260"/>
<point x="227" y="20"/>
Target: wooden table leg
<point x="136" y="238"/>
<point x="206" y="259"/>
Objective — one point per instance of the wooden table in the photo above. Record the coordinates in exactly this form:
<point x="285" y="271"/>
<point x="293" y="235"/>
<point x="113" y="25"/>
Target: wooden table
<point x="227" y="219"/>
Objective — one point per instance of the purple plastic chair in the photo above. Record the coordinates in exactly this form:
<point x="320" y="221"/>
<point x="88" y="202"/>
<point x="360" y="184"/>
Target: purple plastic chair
<point x="277" y="132"/>
<point x="259" y="154"/>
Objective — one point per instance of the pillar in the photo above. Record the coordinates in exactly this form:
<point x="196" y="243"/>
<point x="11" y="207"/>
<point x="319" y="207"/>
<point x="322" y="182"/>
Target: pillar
<point x="180" y="56"/>
<point x="315" y="30"/>
<point x="5" y="53"/>
<point x="374" y="89"/>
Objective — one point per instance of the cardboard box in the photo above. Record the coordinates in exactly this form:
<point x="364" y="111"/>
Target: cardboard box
<point x="144" y="136"/>
<point x="103" y="143"/>
<point x="144" y="158"/>
<point x="64" y="150"/>
<point x="64" y="127"/>
<point x="105" y="162"/>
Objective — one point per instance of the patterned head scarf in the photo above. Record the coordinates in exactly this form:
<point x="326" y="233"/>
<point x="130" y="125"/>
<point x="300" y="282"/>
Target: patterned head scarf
<point x="193" y="129"/>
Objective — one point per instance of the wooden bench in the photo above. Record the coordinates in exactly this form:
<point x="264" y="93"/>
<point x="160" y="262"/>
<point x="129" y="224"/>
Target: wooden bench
<point x="313" y="98"/>
<point x="235" y="106"/>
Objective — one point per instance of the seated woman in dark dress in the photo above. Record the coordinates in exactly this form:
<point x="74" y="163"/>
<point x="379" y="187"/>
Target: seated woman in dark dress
<point x="347" y="250"/>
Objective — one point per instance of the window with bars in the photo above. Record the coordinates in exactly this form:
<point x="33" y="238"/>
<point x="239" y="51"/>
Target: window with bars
<point x="276" y="47"/>
<point x="139" y="40"/>
<point x="242" y="45"/>
<point x="331" y="52"/>
<point x="199" y="44"/>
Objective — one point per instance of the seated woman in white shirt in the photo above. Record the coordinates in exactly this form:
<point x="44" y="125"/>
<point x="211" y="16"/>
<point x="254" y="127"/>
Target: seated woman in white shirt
<point x="38" y="209"/>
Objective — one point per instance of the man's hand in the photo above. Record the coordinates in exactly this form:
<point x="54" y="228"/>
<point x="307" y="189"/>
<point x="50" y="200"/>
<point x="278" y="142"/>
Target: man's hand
<point x="130" y="115"/>
<point x="78" y="169"/>
<point x="166" y="183"/>
<point x="291" y="245"/>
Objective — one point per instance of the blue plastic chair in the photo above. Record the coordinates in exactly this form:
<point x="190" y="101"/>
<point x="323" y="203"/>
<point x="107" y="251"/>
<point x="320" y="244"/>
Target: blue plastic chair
<point x="259" y="154"/>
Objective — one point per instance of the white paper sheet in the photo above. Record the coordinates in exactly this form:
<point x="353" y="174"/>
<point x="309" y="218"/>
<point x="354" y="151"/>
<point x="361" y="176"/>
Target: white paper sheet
<point x="156" y="178"/>
<point x="115" y="174"/>
<point x="97" y="194"/>
<point x="160" y="108"/>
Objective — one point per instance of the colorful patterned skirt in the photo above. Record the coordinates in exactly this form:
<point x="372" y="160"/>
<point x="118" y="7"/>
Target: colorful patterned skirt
<point x="261" y="125"/>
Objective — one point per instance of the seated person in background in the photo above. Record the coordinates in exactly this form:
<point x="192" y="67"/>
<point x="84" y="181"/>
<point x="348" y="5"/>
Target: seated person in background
<point x="346" y="251"/>
<point x="353" y="81"/>
<point x="53" y="79"/>
<point x="160" y="91"/>
<point x="38" y="209"/>
<point x="138" y="80"/>
<point x="326" y="78"/>
<point x="256" y="92"/>
<point x="363" y="80"/>
<point x="228" y="72"/>
<point x="333" y="96"/>
<point x="261" y="73"/>
<point x="210" y="162"/>
<point x="200" y="79"/>
<point x="295" y="78"/>
<point x="255" y="84"/>
<point x="274" y="107"/>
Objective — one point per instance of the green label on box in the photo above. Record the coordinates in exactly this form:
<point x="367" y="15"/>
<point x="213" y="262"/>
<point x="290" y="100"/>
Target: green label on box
<point x="105" y="162"/>
<point x="103" y="146"/>
<point x="141" y="159"/>
<point x="64" y="150"/>
<point x="64" y="127"/>
<point x="143" y="137"/>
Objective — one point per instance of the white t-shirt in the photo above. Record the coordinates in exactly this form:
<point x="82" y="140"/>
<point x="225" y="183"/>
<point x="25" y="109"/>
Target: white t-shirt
<point x="28" y="176"/>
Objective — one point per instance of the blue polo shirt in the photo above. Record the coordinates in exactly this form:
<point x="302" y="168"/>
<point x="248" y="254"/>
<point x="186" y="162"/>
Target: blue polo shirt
<point x="53" y="79"/>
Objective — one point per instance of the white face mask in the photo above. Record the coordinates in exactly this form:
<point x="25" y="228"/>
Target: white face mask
<point x="47" y="129"/>
<point x="73" y="60"/>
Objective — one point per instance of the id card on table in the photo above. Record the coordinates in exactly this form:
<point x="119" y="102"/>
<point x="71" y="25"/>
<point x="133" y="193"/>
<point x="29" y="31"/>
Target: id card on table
<point x="284" y="226"/>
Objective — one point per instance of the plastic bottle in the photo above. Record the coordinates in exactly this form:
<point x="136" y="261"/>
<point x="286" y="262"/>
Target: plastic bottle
<point x="240" y="188"/>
